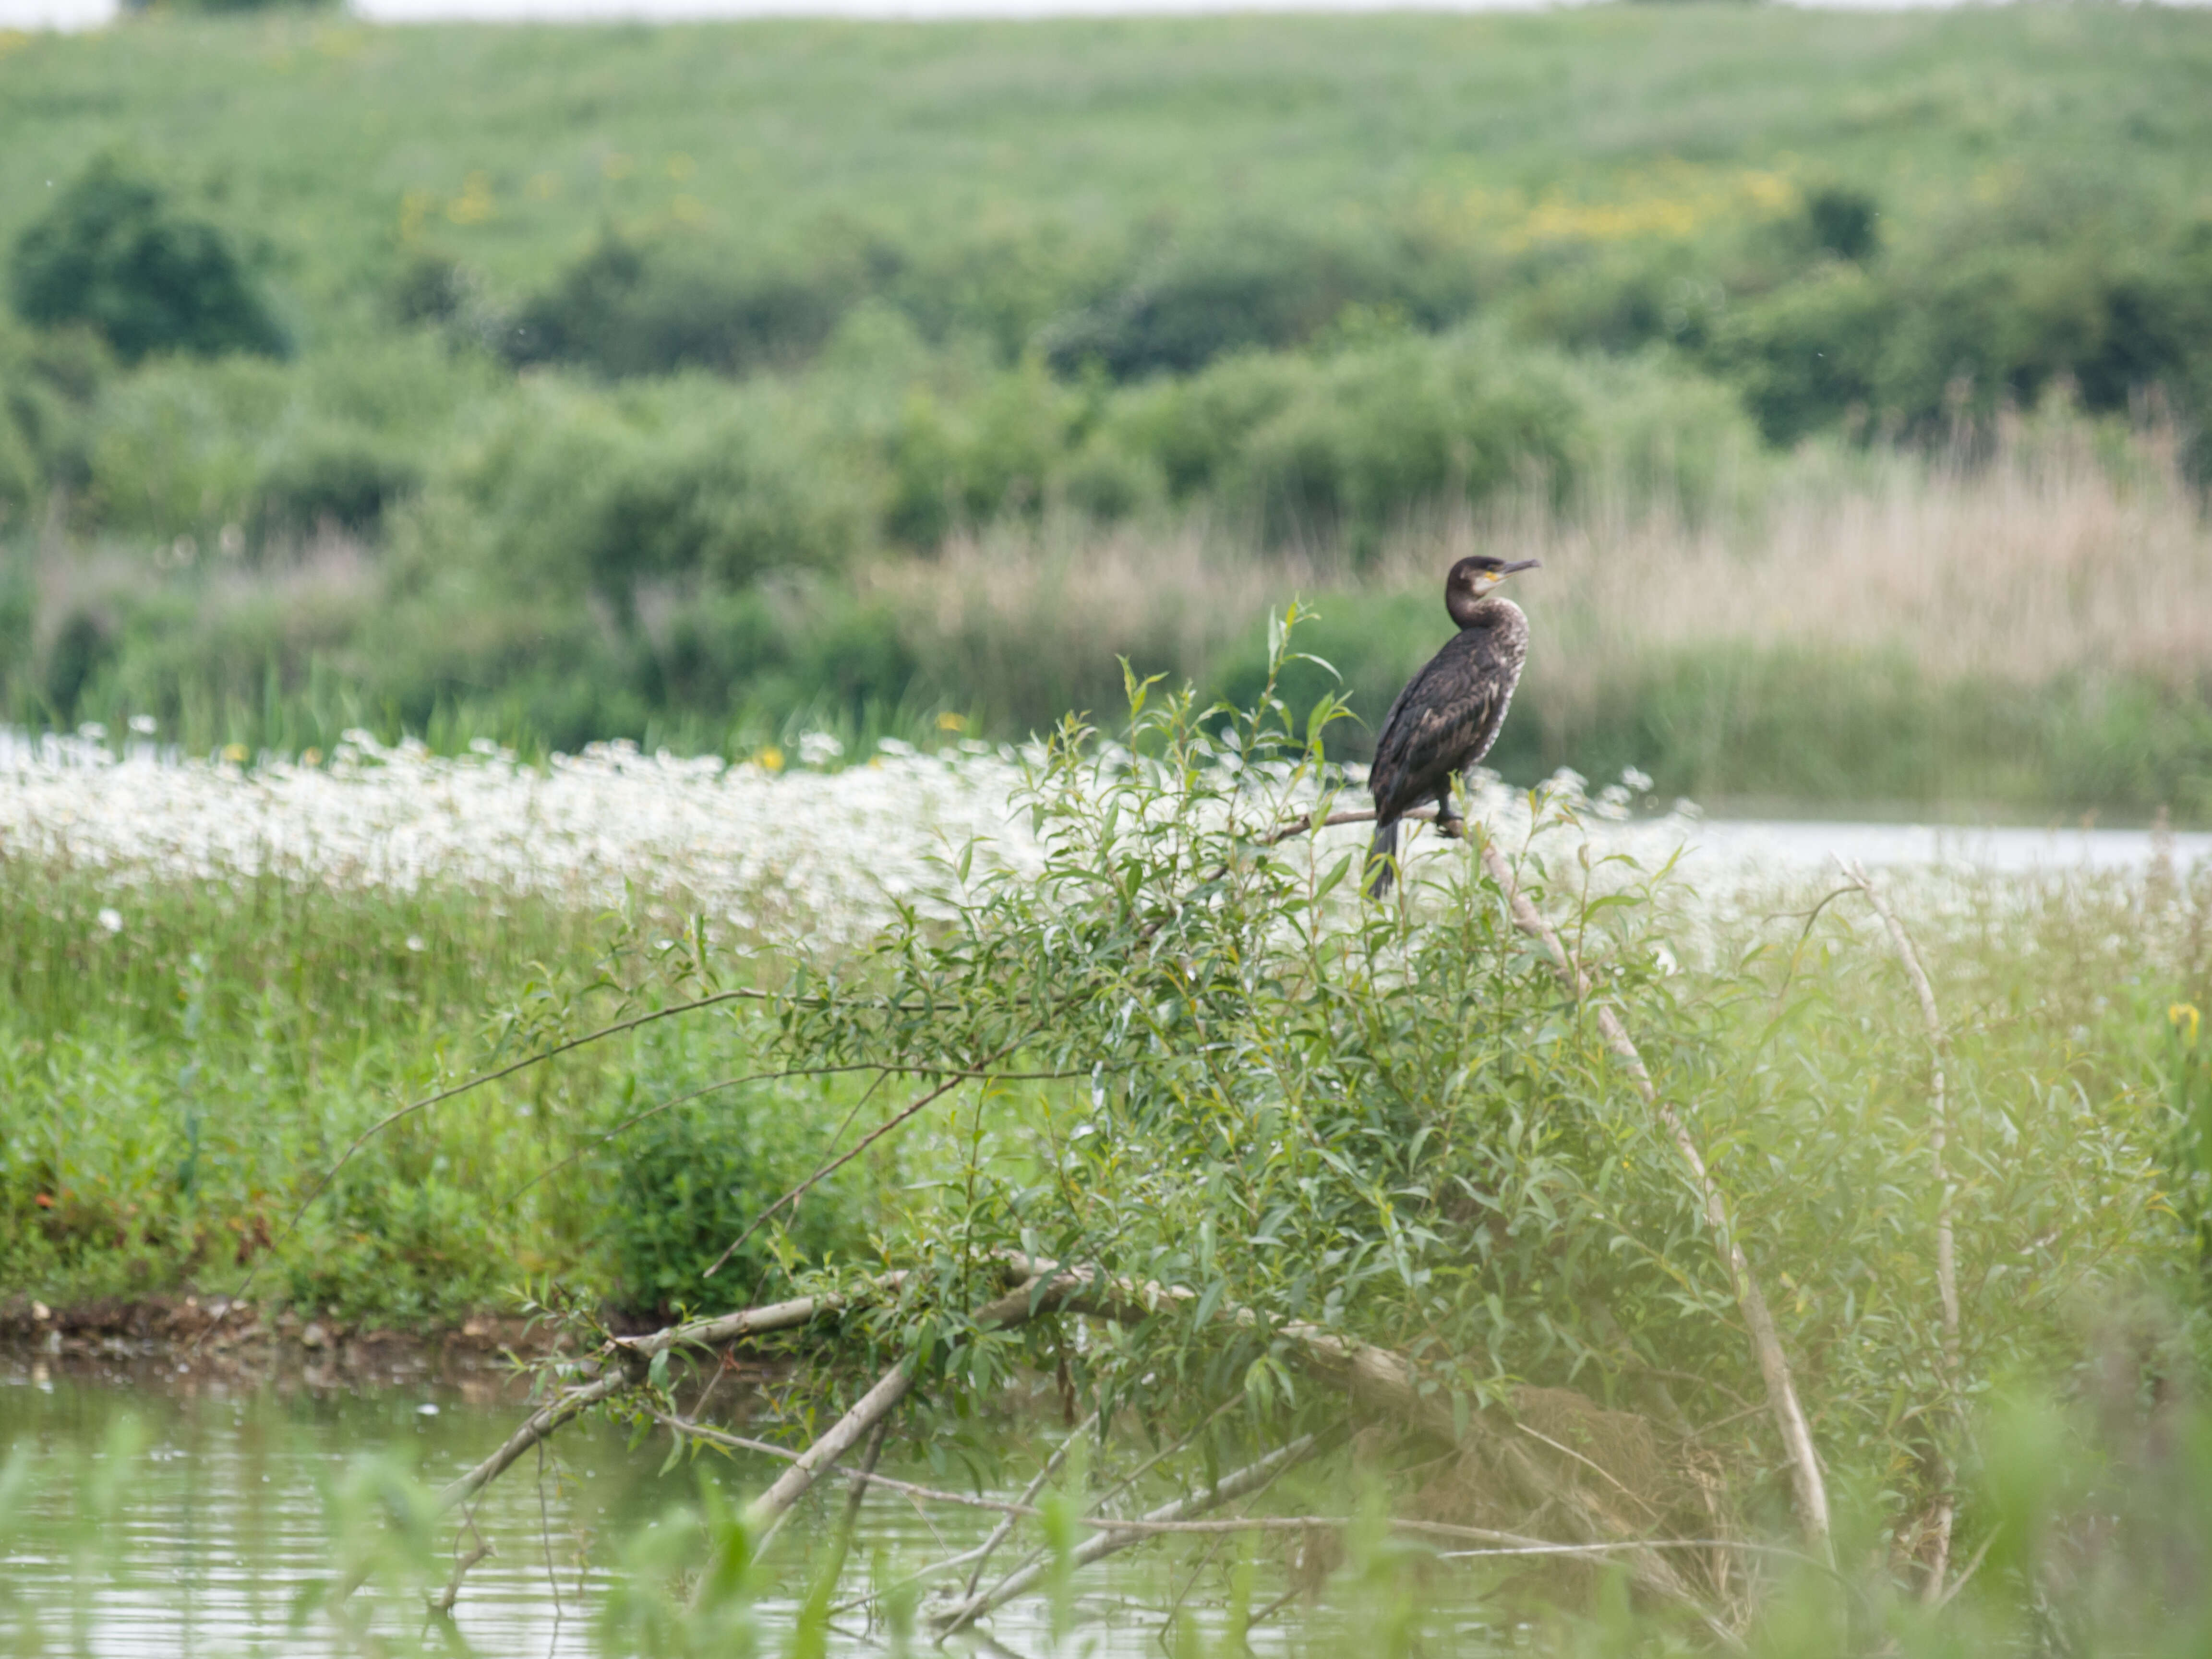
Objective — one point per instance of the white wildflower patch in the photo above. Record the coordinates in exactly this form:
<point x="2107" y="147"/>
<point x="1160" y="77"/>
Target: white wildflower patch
<point x="807" y="854"/>
<point x="823" y="854"/>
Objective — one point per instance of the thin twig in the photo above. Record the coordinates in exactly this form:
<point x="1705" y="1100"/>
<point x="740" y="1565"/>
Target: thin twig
<point x="844" y="1547"/>
<point x="1029" y="1495"/>
<point x="1228" y="1488"/>
<point x="444" y="1599"/>
<point x="883" y="1068"/>
<point x="1603" y="1473"/>
<point x="1946" y="1266"/>
<point x="1972" y="1567"/>
<point x="546" y="1542"/>
<point x="861" y="1145"/>
<point x="322" y="1184"/>
<point x="1809" y="1486"/>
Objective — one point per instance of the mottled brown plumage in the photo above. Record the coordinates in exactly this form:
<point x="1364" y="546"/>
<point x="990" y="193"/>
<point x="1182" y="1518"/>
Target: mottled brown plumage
<point x="1450" y="714"/>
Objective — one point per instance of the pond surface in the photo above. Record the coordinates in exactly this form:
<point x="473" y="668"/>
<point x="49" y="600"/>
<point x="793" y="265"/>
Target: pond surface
<point x="220" y="1530"/>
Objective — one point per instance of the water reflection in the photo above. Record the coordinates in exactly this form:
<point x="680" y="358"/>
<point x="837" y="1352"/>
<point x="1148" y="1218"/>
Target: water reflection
<point x="223" y="1530"/>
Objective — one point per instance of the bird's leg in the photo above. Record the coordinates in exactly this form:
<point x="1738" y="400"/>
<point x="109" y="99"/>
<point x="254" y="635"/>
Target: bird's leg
<point x="1449" y="825"/>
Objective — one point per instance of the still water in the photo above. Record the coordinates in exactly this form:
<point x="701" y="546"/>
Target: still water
<point x="219" y="1534"/>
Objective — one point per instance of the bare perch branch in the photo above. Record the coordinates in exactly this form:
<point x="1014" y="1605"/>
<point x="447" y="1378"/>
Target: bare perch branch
<point x="1304" y="824"/>
<point x="1947" y="1266"/>
<point x="1808" y="1485"/>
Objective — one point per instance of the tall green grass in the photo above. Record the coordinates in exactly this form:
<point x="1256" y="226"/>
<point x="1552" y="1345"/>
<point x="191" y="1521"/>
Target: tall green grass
<point x="183" y="1062"/>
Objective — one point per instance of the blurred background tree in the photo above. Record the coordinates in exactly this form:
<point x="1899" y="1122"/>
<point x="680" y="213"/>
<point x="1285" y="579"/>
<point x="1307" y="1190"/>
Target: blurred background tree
<point x="115" y="254"/>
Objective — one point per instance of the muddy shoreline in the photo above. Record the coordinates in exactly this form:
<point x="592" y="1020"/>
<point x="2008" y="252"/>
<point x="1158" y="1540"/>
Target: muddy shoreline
<point x="185" y="1338"/>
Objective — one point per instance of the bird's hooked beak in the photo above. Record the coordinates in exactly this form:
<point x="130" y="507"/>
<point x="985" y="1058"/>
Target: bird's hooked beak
<point x="1505" y="570"/>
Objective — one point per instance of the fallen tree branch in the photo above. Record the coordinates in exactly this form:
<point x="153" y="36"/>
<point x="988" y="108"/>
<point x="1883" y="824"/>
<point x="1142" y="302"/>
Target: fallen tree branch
<point x="999" y="1533"/>
<point x="748" y="1322"/>
<point x="564" y="1408"/>
<point x="767" y="1511"/>
<point x="1250" y="1477"/>
<point x="1947" y="1266"/>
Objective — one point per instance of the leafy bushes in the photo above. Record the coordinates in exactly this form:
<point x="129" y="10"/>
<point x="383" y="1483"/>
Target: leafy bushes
<point x="113" y="254"/>
<point x="628" y="308"/>
<point x="686" y="1183"/>
<point x="1244" y="286"/>
<point x="680" y="481"/>
<point x="1808" y="355"/>
<point x="343" y="477"/>
<point x="1982" y="320"/>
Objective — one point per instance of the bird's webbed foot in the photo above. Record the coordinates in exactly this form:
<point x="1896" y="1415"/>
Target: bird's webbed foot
<point x="1451" y="826"/>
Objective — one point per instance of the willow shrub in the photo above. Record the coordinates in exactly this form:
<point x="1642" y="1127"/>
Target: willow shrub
<point x="1390" y="1120"/>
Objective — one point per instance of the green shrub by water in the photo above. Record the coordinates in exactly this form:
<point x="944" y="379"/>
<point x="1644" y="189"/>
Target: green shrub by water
<point x="174" y="1086"/>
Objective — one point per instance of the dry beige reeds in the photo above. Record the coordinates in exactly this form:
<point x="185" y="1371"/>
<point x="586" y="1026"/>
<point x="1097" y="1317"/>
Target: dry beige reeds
<point x="2050" y="547"/>
<point x="2041" y="546"/>
<point x="1035" y="617"/>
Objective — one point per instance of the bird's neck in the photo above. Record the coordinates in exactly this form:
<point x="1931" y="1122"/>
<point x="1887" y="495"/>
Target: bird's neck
<point x="1485" y="613"/>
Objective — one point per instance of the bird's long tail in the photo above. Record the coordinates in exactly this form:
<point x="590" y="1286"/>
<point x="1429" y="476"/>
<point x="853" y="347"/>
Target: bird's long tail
<point x="1381" y="858"/>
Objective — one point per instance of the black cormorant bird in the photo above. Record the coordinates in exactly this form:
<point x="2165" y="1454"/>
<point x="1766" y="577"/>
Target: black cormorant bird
<point x="1448" y="716"/>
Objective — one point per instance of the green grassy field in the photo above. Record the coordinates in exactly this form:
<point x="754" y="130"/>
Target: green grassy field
<point x="339" y="145"/>
<point x="698" y="385"/>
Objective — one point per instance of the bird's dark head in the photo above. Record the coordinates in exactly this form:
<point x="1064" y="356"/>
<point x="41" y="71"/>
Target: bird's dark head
<point x="1475" y="578"/>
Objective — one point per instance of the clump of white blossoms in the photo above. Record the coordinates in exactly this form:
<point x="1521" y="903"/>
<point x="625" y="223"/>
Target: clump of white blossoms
<point x="822" y="852"/>
<point x="813" y="853"/>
